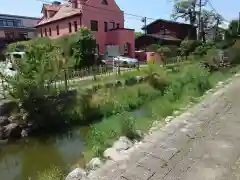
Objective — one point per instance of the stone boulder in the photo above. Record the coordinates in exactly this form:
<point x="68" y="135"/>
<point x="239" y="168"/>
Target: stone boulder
<point x="24" y="133"/>
<point x="15" y="118"/>
<point x="4" y="121"/>
<point x="6" y="106"/>
<point x="77" y="174"/>
<point x="112" y="154"/>
<point x="122" y="144"/>
<point x="12" y="131"/>
<point x="94" y="164"/>
<point x="2" y="133"/>
<point x="139" y="79"/>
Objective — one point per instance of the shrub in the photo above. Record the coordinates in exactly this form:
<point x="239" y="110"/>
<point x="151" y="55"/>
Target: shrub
<point x="32" y="86"/>
<point x="128" y="128"/>
<point x="189" y="46"/>
<point x="194" y="77"/>
<point x="203" y="49"/>
<point x="84" y="112"/>
<point x="113" y="101"/>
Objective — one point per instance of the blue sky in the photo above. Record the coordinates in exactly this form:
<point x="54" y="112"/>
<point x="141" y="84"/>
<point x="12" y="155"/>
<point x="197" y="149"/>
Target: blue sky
<point x="155" y="9"/>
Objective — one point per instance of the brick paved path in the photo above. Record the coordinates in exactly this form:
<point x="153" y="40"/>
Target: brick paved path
<point x="201" y="144"/>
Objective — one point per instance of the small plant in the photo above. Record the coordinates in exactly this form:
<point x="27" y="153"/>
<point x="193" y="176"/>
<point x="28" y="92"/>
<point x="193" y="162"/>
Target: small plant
<point x="129" y="128"/>
<point x="53" y="173"/>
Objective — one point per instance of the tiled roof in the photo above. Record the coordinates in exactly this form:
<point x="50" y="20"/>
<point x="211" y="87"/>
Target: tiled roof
<point x="63" y="12"/>
<point x="167" y="21"/>
<point x="52" y="7"/>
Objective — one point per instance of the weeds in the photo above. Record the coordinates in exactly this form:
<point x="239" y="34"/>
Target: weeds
<point x="184" y="87"/>
<point x="53" y="173"/>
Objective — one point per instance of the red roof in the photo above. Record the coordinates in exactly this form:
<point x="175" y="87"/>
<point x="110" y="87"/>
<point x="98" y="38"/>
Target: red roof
<point x="63" y="12"/>
<point x="52" y="7"/>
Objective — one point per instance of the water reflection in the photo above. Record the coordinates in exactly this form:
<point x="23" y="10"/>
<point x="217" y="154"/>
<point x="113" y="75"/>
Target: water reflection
<point x="25" y="158"/>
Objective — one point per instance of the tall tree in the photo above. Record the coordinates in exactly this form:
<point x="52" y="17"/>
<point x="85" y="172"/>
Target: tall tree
<point x="210" y="20"/>
<point x="233" y="28"/>
<point x="138" y="34"/>
<point x="185" y="9"/>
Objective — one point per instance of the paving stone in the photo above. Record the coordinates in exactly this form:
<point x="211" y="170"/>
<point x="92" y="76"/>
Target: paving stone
<point x="137" y="172"/>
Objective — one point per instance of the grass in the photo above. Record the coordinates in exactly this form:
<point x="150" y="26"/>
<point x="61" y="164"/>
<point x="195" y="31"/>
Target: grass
<point x="53" y="173"/>
<point x="185" y="86"/>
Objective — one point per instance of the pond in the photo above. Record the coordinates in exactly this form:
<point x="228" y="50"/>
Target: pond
<point x="23" y="159"/>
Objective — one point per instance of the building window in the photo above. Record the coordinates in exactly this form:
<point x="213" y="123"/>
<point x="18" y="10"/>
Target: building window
<point x="70" y="27"/>
<point x="104" y="2"/>
<point x="1" y="22"/>
<point x="112" y="25"/>
<point x="45" y="31"/>
<point x="105" y="26"/>
<point x="75" y="26"/>
<point x="41" y="32"/>
<point x="9" y="22"/>
<point x="9" y="35"/>
<point x="118" y="25"/>
<point x="94" y="25"/>
<point x="17" y="23"/>
<point x="50" y="32"/>
<point x="57" y="27"/>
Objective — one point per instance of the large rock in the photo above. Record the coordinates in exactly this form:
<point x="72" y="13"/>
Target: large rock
<point x="2" y="129"/>
<point x="15" y="118"/>
<point x="6" y="106"/>
<point x="12" y="131"/>
<point x="77" y="174"/>
<point x="94" y="164"/>
<point x="4" y="121"/>
<point x="112" y="154"/>
<point x="122" y="144"/>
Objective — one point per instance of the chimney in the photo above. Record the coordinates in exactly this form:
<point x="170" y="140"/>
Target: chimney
<point x="77" y="3"/>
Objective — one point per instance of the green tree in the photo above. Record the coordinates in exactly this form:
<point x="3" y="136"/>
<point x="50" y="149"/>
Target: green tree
<point x="138" y="34"/>
<point x="84" y="47"/>
<point x="210" y="21"/>
<point x="233" y="28"/>
<point x="185" y="9"/>
<point x="32" y="86"/>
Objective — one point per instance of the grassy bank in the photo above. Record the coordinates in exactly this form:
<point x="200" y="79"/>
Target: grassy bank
<point x="184" y="87"/>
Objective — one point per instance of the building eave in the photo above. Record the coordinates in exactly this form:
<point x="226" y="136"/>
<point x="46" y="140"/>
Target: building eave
<point x="56" y="20"/>
<point x="169" y="21"/>
<point x="17" y="16"/>
<point x="19" y="28"/>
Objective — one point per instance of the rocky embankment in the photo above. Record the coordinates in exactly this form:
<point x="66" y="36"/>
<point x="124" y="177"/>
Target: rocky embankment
<point x="12" y="125"/>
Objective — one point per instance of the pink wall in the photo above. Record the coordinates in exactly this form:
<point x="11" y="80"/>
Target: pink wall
<point x="121" y="37"/>
<point x="63" y="27"/>
<point x="111" y="14"/>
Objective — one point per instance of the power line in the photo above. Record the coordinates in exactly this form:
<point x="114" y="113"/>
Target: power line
<point x="210" y="4"/>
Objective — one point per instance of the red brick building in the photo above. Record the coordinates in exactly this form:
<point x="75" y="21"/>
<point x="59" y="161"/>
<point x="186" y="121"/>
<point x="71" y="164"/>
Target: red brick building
<point x="165" y="32"/>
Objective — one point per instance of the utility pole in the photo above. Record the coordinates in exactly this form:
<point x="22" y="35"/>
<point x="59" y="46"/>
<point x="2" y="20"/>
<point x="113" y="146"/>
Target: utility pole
<point x="144" y="20"/>
<point x="200" y="19"/>
<point x="238" y="30"/>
